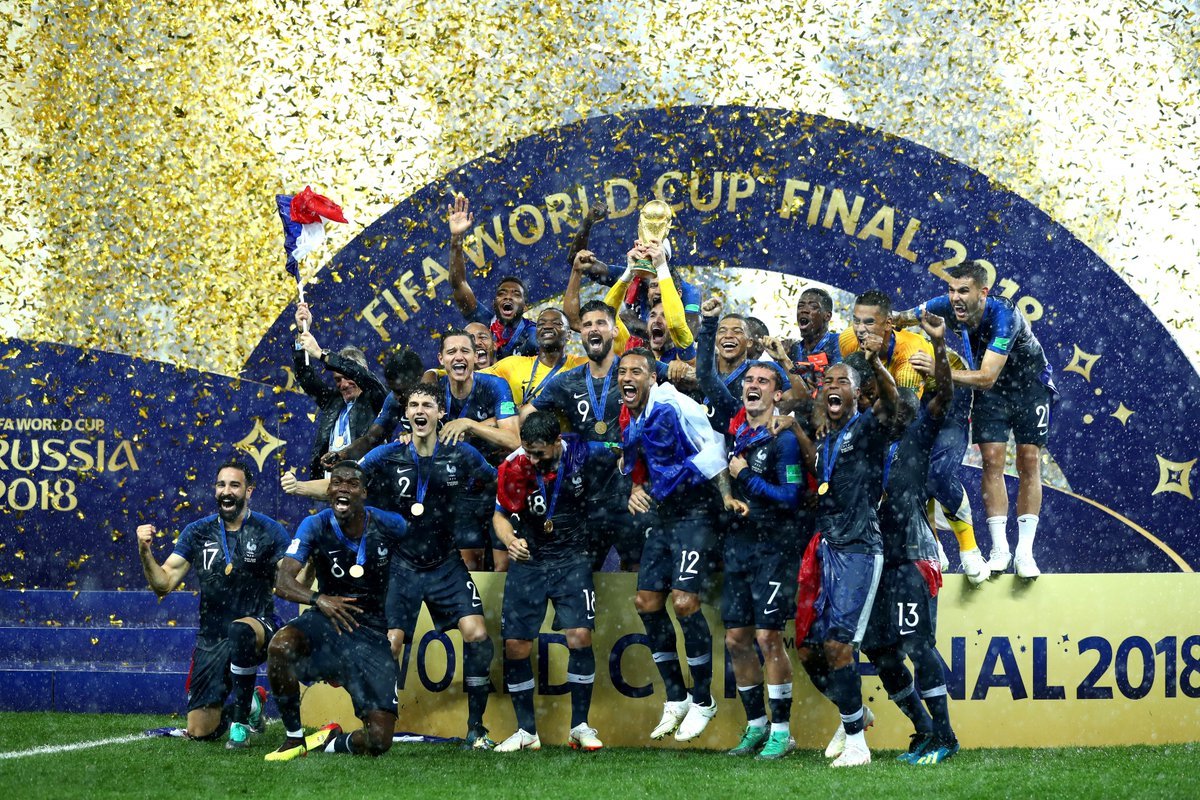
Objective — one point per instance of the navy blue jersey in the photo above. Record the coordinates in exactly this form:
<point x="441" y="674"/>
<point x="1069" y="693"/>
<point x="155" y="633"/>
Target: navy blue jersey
<point x="518" y="339"/>
<point x="519" y="493"/>
<point x="846" y="511"/>
<point x="1004" y="330"/>
<point x="723" y="393"/>
<point x="333" y="556"/>
<point x="902" y="520"/>
<point x="254" y="550"/>
<point x="449" y="478"/>
<point x="567" y="393"/>
<point x="828" y="345"/>
<point x="773" y="480"/>
<point x="490" y="398"/>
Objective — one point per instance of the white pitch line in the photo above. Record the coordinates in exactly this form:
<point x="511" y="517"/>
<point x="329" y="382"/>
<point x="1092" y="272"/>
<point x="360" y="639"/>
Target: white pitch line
<point x="66" y="748"/>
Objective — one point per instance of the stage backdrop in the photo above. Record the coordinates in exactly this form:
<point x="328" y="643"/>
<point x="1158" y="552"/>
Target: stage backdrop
<point x="92" y="444"/>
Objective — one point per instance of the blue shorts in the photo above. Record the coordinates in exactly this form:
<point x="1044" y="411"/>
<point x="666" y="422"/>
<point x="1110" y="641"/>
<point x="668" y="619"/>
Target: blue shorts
<point x="473" y="529"/>
<point x="945" y="464"/>
<point x="567" y="585"/>
<point x="681" y="552"/>
<point x="447" y="590"/>
<point x="1024" y="411"/>
<point x="848" y="586"/>
<point x="760" y="584"/>
<point x="360" y="661"/>
<point x="209" y="681"/>
<point x="904" y="615"/>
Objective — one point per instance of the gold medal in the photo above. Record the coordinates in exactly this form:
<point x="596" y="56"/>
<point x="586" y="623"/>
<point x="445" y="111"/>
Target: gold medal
<point x="417" y="509"/>
<point x="229" y="569"/>
<point x="601" y="427"/>
<point x="549" y="526"/>
<point x="357" y="571"/>
<point x="823" y="488"/>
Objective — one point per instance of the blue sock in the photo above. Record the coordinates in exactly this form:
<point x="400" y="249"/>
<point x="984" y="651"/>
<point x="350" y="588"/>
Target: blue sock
<point x="932" y="679"/>
<point x="518" y="675"/>
<point x="898" y="682"/>
<point x="477" y="666"/>
<point x="581" y="675"/>
<point x="289" y="711"/>
<point x="845" y="690"/>
<point x="753" y="702"/>
<point x="661" y="634"/>
<point x="697" y="642"/>
<point x="243" y="666"/>
<point x="780" y="698"/>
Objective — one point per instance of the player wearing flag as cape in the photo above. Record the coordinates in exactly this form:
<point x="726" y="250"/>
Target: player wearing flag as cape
<point x="847" y="543"/>
<point x="543" y="501"/>
<point x="1014" y="393"/>
<point x="234" y="554"/>
<point x="342" y="636"/>
<point x="904" y="619"/>
<point x="479" y="408"/>
<point x="512" y="333"/>
<point x="674" y="458"/>
<point x="589" y="399"/>
<point x="762" y="549"/>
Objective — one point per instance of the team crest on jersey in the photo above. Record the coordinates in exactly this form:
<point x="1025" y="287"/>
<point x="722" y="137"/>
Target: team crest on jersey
<point x="294" y="547"/>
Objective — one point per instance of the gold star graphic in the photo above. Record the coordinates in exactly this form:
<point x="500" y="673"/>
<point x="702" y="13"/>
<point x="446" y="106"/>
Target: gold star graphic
<point x="259" y="443"/>
<point x="1122" y="414"/>
<point x="1174" y="476"/>
<point x="1082" y="362"/>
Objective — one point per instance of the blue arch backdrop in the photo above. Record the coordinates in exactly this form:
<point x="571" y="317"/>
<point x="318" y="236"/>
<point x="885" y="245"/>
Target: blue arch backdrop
<point x="137" y="441"/>
<point x="838" y="203"/>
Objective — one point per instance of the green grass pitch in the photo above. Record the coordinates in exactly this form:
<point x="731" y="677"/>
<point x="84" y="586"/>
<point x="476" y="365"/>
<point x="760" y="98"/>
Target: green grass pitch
<point x="160" y="767"/>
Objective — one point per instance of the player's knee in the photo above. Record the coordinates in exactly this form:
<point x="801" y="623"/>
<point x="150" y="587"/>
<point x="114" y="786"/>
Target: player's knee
<point x="578" y="638"/>
<point x="838" y="654"/>
<point x="473" y="629"/>
<point x="769" y="642"/>
<point x="685" y="603"/>
<point x="1028" y="458"/>
<point x="738" y="640"/>
<point x="285" y="645"/>
<point x="517" y="648"/>
<point x="647" y="602"/>
<point x="376" y="742"/>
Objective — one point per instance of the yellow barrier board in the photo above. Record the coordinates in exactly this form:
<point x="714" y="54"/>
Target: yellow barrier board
<point x="1066" y="660"/>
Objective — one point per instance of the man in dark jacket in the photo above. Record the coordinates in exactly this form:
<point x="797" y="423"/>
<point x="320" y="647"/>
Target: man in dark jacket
<point x="345" y="410"/>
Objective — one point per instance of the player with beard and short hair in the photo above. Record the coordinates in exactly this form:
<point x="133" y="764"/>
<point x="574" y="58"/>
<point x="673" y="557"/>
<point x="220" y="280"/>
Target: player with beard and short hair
<point x="831" y="621"/>
<point x="402" y="372"/>
<point x="762" y="549"/>
<point x="543" y="504"/>
<point x="674" y="458"/>
<point x="233" y="554"/>
<point x="1014" y="393"/>
<point x="480" y="408"/>
<point x="904" y="620"/>
<point x="342" y="636"/>
<point x="589" y="398"/>
<point x="511" y="333"/>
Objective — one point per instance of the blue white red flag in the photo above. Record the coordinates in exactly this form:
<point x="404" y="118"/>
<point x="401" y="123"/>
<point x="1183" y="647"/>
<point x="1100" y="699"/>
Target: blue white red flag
<point x="304" y="216"/>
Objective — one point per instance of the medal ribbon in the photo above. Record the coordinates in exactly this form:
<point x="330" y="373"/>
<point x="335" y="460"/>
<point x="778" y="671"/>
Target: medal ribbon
<point x="831" y="458"/>
<point x="532" y="391"/>
<point x="465" y="403"/>
<point x="597" y="409"/>
<point x="360" y="549"/>
<point x="747" y="437"/>
<point x="422" y="485"/>
<point x="225" y="538"/>
<point x="552" y="499"/>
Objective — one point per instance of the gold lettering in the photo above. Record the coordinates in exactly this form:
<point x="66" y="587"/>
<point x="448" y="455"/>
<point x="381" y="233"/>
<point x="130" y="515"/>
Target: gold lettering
<point x="694" y="191"/>
<point x="408" y="292"/>
<point x="473" y="247"/>
<point x="792" y="200"/>
<point x="4" y="445"/>
<point x="837" y="208"/>
<point x="536" y="232"/>
<point x="660" y="189"/>
<point x="960" y="253"/>
<point x="435" y="273"/>
<point x="60" y="460"/>
<point x="880" y="227"/>
<point x="558" y="209"/>
<point x="77" y="450"/>
<point x="115" y="463"/>
<point x="814" y="211"/>
<point x="906" y="239"/>
<point x="610" y="196"/>
<point x="374" y="320"/>
<point x="736" y="193"/>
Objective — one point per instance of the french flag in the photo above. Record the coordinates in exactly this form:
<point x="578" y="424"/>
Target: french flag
<point x="304" y="216"/>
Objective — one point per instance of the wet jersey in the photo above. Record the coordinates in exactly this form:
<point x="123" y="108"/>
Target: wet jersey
<point x="772" y="481"/>
<point x="853" y="468"/>
<point x="489" y="398"/>
<point x="333" y="554"/>
<point x="902" y="521"/>
<point x="562" y="497"/>
<point x="824" y="354"/>
<point x="397" y="478"/>
<point x="567" y="393"/>
<point x="391" y="416"/>
<point x="527" y="375"/>
<point x="254" y="550"/>
<point x="518" y="339"/>
<point x="895" y="357"/>
<point x="1004" y="330"/>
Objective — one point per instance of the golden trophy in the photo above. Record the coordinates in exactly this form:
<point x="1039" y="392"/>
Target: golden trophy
<point x="654" y="223"/>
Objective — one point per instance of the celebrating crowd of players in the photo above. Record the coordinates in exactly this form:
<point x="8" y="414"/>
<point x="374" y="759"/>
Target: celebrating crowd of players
<point x="683" y="443"/>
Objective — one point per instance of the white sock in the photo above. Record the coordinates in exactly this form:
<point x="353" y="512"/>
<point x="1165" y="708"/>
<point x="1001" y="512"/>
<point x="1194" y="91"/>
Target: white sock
<point x="998" y="528"/>
<point x="761" y="722"/>
<point x="1026" y="530"/>
<point x="856" y="739"/>
<point x="781" y="727"/>
<point x="296" y="734"/>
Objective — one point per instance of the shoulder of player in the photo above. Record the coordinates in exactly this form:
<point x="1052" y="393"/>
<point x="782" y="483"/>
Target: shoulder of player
<point x="259" y="520"/>
<point x="386" y="519"/>
<point x="847" y="342"/>
<point x="909" y="342"/>
<point x="508" y="364"/>
<point x="313" y="524"/>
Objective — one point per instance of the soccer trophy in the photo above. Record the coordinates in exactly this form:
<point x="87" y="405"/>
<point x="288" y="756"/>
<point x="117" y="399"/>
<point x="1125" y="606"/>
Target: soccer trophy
<point x="654" y="223"/>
